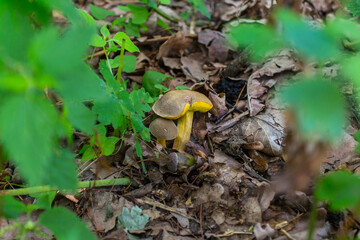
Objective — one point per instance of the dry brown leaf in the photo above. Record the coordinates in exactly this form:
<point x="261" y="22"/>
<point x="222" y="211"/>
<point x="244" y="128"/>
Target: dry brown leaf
<point x="215" y="42"/>
<point x="263" y="233"/>
<point x="173" y="63"/>
<point x="192" y="67"/>
<point x="174" y="46"/>
<point x="265" y="78"/>
<point x="252" y="210"/>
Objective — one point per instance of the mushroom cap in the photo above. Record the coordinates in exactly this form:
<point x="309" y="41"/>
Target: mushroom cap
<point x="174" y="104"/>
<point x="163" y="129"/>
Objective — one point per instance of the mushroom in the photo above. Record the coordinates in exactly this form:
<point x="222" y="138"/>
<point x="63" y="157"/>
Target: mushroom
<point x="163" y="129"/>
<point x="181" y="105"/>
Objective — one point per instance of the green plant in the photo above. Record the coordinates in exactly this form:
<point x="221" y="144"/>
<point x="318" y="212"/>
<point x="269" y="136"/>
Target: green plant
<point x="140" y="15"/>
<point x="196" y="5"/>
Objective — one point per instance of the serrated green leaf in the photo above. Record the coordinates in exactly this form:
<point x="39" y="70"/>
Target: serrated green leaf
<point x="109" y="111"/>
<point x="105" y="31"/>
<point x="109" y="77"/>
<point x="149" y="80"/>
<point x="133" y="220"/>
<point x="99" y="13"/>
<point x="139" y="127"/>
<point x="129" y="45"/>
<point x="108" y="144"/>
<point x="65" y="225"/>
<point x="319" y="108"/>
<point x="140" y="100"/>
<point x="139" y="12"/>
<point x="309" y="41"/>
<point x="340" y="189"/>
<point x="11" y="208"/>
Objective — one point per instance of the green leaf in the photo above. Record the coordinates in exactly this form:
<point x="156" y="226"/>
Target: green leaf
<point x="319" y="108"/>
<point x="29" y="124"/>
<point x="99" y="13"/>
<point x="340" y="189"/>
<point x="133" y="220"/>
<point x="167" y="2"/>
<point x="149" y="80"/>
<point x="124" y="8"/>
<point x="140" y="13"/>
<point x="109" y="111"/>
<point x="200" y="6"/>
<point x="262" y="39"/>
<point x="129" y="63"/>
<point x="11" y="208"/>
<point x="108" y="144"/>
<point x="139" y="127"/>
<point x="163" y="24"/>
<point x="309" y="41"/>
<point x="353" y="6"/>
<point x="97" y="41"/>
<point x="88" y="18"/>
<point x="80" y="116"/>
<point x="109" y="77"/>
<point x="184" y="15"/>
<point x="105" y="31"/>
<point x="140" y="100"/>
<point x="65" y="225"/>
<point x="129" y="45"/>
<point x="180" y="87"/>
<point x="88" y="153"/>
<point x="44" y="200"/>
<point x="61" y="170"/>
<point x="132" y="29"/>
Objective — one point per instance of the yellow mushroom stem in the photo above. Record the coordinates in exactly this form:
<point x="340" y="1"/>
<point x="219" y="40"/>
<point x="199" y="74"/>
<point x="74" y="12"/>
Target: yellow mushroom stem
<point x="161" y="141"/>
<point x="184" y="125"/>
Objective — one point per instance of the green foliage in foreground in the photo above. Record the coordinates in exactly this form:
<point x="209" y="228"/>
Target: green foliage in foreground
<point x="317" y="102"/>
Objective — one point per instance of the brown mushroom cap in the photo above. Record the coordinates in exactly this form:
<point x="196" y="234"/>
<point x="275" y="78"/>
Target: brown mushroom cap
<point x="163" y="129"/>
<point x="174" y="104"/>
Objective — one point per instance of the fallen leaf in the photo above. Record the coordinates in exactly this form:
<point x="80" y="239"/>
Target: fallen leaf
<point x="263" y="233"/>
<point x="174" y="46"/>
<point x="215" y="42"/>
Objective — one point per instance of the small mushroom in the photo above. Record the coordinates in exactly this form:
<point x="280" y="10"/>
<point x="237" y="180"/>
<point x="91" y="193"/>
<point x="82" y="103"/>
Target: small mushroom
<point x="163" y="129"/>
<point x="181" y="105"/>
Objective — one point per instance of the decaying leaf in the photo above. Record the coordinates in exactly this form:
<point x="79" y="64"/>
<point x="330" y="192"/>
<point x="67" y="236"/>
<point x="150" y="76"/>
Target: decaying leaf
<point x="174" y="46"/>
<point x="192" y="67"/>
<point x="263" y="233"/>
<point x="215" y="42"/>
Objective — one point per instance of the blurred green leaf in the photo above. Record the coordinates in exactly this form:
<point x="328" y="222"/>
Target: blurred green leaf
<point x="11" y="208"/>
<point x="28" y="129"/>
<point x="124" y="8"/>
<point x="353" y="6"/>
<point x="88" y="18"/>
<point x="67" y="225"/>
<point x="132" y="29"/>
<point x="310" y="41"/>
<point x="319" y="108"/>
<point x="149" y="80"/>
<point x="44" y="200"/>
<point x="340" y="189"/>
<point x="200" y="6"/>
<point x="165" y="2"/>
<point x="140" y="13"/>
<point x="80" y="116"/>
<point x="262" y="39"/>
<point x="99" y="13"/>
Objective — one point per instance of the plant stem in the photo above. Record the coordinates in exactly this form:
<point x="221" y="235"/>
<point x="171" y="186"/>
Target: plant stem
<point x="121" y="59"/>
<point x="165" y="15"/>
<point x="107" y="60"/>
<point x="83" y="184"/>
<point x="313" y="217"/>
